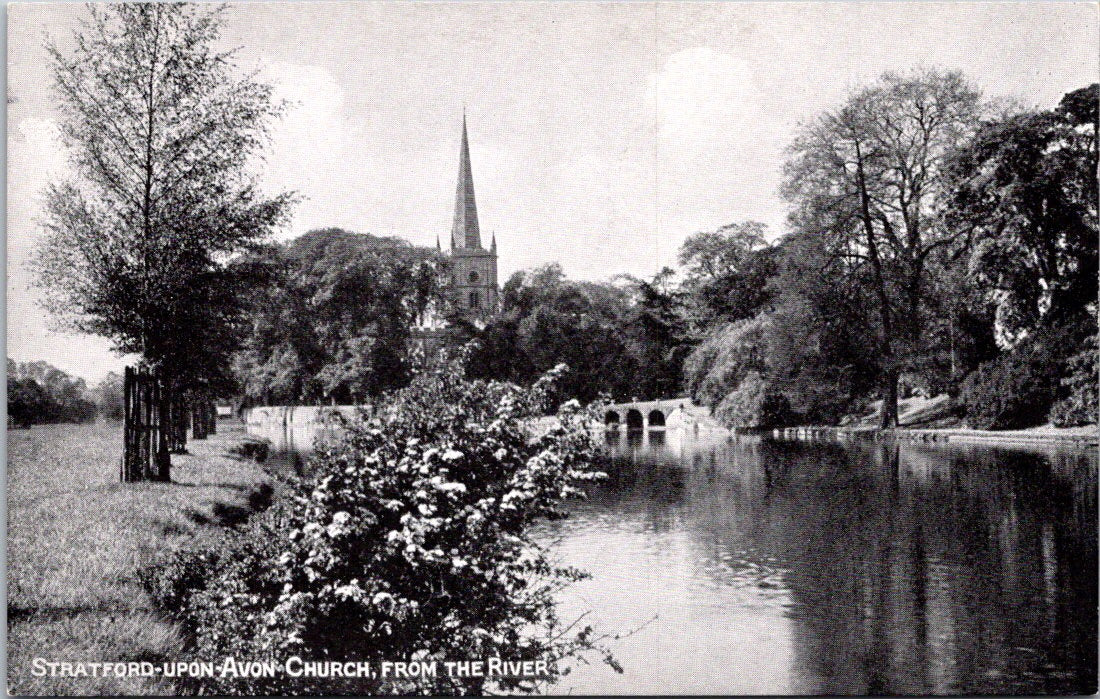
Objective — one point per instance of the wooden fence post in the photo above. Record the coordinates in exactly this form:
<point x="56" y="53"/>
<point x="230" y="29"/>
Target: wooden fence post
<point x="129" y="469"/>
<point x="140" y="424"/>
<point x="177" y="423"/>
<point x="163" y="411"/>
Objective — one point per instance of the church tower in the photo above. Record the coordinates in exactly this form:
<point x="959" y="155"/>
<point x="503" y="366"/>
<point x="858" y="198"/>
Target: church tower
<point x="473" y="268"/>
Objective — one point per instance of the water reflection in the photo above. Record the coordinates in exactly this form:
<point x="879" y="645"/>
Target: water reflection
<point x="788" y="567"/>
<point x="292" y="440"/>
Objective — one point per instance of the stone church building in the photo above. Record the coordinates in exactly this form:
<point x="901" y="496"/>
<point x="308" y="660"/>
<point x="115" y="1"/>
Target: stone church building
<point x="473" y="288"/>
<point x="472" y="293"/>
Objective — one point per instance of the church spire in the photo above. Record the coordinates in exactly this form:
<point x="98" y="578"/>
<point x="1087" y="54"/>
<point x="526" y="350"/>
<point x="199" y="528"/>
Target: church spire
<point x="465" y="233"/>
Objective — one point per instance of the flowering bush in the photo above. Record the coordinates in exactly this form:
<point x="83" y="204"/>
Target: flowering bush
<point x="409" y="540"/>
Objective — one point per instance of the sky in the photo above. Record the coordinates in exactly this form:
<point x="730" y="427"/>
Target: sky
<point x="601" y="134"/>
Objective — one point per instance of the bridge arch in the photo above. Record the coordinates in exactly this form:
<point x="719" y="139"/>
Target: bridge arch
<point x="634" y="419"/>
<point x="656" y="418"/>
<point x="611" y="418"/>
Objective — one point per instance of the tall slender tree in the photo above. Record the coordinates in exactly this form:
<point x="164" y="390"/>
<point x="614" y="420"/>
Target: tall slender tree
<point x="869" y="177"/>
<point x="161" y="132"/>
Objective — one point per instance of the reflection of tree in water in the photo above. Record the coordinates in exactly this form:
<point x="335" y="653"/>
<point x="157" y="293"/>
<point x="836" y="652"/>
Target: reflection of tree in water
<point x="911" y="570"/>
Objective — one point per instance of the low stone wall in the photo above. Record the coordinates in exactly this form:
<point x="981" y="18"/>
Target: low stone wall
<point x="956" y="435"/>
<point x="268" y="416"/>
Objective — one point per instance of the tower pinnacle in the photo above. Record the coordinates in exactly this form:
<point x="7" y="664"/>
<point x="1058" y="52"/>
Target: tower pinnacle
<point x="465" y="232"/>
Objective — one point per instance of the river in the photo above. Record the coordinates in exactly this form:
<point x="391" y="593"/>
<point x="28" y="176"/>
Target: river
<point x="752" y="566"/>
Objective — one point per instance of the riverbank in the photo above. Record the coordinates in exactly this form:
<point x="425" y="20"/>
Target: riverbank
<point x="77" y="539"/>
<point x="938" y="419"/>
<point x="1082" y="437"/>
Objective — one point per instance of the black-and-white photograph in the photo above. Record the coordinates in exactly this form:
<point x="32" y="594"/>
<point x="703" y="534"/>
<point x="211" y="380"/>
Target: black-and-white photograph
<point x="597" y="348"/>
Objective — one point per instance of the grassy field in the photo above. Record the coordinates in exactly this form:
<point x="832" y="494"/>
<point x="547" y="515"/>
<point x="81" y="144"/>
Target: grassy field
<point x="77" y="537"/>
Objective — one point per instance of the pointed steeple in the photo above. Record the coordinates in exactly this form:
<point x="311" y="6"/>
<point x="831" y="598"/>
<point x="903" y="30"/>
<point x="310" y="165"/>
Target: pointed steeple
<point x="465" y="233"/>
<point x="493" y="246"/>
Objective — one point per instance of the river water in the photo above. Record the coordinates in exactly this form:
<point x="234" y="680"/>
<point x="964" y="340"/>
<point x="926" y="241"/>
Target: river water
<point x="752" y="566"/>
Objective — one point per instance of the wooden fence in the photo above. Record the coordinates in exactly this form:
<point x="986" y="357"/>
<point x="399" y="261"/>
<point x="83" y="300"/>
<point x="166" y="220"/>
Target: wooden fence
<point x="145" y="452"/>
<point x="156" y="420"/>
<point x="204" y="418"/>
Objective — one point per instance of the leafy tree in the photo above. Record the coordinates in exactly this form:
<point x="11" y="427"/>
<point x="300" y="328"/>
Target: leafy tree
<point x="335" y="322"/>
<point x="658" y="338"/>
<point x="726" y="272"/>
<point x="28" y="402"/>
<point x="623" y="339"/>
<point x="160" y="132"/>
<point x="725" y="358"/>
<point x="754" y="403"/>
<point x="1024" y="192"/>
<point x="1081" y="405"/>
<point x="868" y="177"/>
<point x="109" y="396"/>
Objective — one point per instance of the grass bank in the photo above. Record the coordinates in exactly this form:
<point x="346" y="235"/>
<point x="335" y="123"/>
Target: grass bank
<point x="937" y="419"/>
<point x="77" y="539"/>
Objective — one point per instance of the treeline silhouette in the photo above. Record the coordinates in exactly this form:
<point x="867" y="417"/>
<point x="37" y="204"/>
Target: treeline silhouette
<point x="40" y="393"/>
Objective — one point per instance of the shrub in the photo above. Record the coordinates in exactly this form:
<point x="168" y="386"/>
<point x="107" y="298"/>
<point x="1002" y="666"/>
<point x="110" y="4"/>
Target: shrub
<point x="408" y="540"/>
<point x="172" y="580"/>
<point x="725" y="358"/>
<point x="754" y="404"/>
<point x="1080" y="407"/>
<point x="255" y="449"/>
<point x="1018" y="388"/>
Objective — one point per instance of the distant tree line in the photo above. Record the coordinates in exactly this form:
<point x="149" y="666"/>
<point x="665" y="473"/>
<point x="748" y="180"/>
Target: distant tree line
<point x="39" y="393"/>
<point x="335" y="323"/>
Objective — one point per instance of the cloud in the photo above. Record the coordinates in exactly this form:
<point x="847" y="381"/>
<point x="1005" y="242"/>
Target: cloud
<point x="309" y="141"/>
<point x="717" y="147"/>
<point x="701" y="94"/>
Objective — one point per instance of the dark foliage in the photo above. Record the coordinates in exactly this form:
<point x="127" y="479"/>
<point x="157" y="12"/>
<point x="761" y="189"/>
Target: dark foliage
<point x="1018" y="388"/>
<point x="625" y="339"/>
<point x="1080" y="407"/>
<point x="39" y="393"/>
<point x="333" y="323"/>
<point x="1024" y="191"/>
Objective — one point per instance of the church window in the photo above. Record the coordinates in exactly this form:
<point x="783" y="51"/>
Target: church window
<point x="473" y="299"/>
<point x="474" y="277"/>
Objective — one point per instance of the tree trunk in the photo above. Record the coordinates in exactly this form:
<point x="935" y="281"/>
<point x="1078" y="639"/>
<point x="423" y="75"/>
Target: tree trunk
<point x="888" y="413"/>
<point x="163" y="459"/>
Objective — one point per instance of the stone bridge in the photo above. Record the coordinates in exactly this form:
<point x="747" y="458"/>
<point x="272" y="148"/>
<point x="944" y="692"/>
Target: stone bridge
<point x="667" y="412"/>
